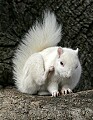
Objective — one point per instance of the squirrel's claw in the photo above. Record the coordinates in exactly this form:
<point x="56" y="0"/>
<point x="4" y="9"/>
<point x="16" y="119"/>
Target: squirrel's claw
<point x="65" y="91"/>
<point x="55" y="94"/>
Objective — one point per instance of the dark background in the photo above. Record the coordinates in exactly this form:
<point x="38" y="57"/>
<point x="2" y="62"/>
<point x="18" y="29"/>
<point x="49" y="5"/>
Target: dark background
<point x="76" y="17"/>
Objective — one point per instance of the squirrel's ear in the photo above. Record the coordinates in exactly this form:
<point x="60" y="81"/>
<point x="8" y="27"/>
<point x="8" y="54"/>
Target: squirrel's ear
<point x="76" y="51"/>
<point x="60" y="51"/>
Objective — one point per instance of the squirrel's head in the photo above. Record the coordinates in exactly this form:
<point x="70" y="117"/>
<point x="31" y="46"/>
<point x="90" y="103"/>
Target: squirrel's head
<point x="67" y="62"/>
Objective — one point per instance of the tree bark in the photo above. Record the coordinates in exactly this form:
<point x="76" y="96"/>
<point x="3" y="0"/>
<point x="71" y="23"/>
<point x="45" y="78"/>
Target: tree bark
<point x="76" y="16"/>
<point x="18" y="106"/>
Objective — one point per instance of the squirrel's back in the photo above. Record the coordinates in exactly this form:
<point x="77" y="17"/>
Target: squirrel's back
<point x="39" y="37"/>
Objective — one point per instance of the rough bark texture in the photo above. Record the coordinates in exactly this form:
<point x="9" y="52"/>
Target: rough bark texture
<point x="18" y="106"/>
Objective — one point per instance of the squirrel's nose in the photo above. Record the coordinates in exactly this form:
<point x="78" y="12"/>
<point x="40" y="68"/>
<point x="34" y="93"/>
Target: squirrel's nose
<point x="68" y="76"/>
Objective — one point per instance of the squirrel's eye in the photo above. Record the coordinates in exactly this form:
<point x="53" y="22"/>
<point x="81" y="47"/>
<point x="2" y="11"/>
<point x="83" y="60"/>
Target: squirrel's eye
<point x="76" y="67"/>
<point x="62" y="63"/>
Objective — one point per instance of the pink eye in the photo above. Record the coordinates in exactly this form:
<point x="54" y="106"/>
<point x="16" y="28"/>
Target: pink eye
<point x="62" y="63"/>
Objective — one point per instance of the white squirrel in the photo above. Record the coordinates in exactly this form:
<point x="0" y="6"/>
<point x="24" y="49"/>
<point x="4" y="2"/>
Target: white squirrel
<point x="41" y="67"/>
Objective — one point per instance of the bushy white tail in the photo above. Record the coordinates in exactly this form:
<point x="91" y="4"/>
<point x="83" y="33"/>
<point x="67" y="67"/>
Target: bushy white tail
<point x="41" y="36"/>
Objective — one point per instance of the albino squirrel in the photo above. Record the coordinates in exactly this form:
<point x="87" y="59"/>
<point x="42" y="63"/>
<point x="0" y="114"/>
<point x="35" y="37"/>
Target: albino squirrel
<point x="41" y="67"/>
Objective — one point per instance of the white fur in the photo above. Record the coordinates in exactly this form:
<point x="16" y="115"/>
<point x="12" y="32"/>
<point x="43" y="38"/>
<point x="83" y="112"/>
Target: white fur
<point x="66" y="76"/>
<point x="39" y="37"/>
<point x="34" y="58"/>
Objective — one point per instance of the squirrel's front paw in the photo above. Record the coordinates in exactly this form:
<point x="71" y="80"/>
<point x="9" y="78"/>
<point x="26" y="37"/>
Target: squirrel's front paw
<point x="50" y="71"/>
<point x="65" y="91"/>
<point x="51" y="68"/>
<point x="55" y="94"/>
